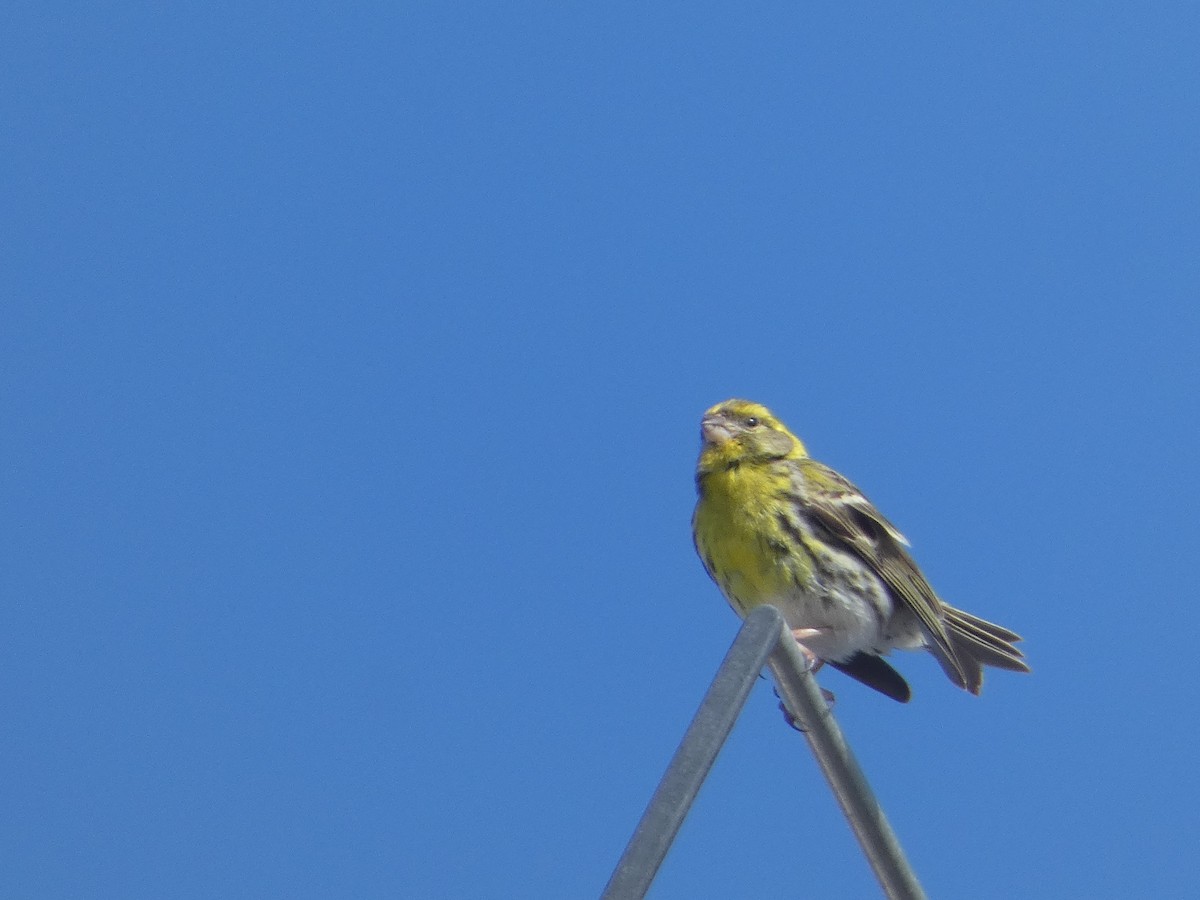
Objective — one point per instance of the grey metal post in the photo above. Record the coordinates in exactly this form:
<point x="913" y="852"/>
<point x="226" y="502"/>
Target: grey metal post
<point x="763" y="638"/>
<point x="803" y="698"/>
<point x="695" y="756"/>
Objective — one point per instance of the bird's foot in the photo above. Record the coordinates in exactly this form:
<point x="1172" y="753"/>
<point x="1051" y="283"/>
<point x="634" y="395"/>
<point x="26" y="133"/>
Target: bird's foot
<point x="813" y="664"/>
<point x="801" y="635"/>
<point x="827" y="696"/>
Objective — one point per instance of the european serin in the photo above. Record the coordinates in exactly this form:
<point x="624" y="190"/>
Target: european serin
<point x="774" y="526"/>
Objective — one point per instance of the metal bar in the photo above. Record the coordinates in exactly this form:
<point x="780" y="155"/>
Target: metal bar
<point x="694" y="758"/>
<point x="803" y="698"/>
<point x="763" y="638"/>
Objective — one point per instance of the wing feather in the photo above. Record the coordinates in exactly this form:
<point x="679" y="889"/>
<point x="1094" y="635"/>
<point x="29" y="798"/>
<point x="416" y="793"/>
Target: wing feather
<point x="854" y="522"/>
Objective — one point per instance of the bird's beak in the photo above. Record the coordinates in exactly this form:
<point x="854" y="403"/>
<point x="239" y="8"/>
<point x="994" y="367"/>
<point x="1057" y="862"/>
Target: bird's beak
<point x="714" y="430"/>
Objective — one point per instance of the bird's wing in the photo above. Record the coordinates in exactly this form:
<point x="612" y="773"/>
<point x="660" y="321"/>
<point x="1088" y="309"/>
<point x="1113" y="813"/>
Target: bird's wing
<point x="854" y="523"/>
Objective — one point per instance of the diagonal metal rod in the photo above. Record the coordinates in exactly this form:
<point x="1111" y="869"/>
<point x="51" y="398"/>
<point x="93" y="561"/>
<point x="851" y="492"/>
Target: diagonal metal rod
<point x="763" y="638"/>
<point x="799" y="691"/>
<point x="695" y="756"/>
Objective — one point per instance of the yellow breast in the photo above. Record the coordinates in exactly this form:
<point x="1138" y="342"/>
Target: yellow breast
<point x="740" y="537"/>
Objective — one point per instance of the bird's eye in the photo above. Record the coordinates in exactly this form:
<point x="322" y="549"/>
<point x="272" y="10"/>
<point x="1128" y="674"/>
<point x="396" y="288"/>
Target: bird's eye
<point x="752" y="422"/>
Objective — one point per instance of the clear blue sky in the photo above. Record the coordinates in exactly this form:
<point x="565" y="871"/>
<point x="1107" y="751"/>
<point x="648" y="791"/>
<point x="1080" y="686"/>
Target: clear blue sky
<point x="353" y="358"/>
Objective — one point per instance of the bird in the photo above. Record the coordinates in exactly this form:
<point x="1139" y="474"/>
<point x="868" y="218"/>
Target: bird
<point x="773" y="525"/>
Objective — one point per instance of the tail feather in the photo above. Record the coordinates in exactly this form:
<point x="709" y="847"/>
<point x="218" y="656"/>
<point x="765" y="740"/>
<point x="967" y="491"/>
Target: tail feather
<point x="875" y="672"/>
<point x="978" y="643"/>
<point x="964" y="617"/>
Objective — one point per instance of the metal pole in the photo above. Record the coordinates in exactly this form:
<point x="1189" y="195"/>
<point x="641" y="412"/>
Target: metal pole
<point x="764" y="637"/>
<point x="803" y="698"/>
<point x="695" y="756"/>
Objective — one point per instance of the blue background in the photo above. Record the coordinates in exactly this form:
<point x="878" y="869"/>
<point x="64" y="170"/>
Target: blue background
<point x="353" y="359"/>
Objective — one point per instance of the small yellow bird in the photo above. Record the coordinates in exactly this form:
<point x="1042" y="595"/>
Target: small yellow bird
<point x="774" y="526"/>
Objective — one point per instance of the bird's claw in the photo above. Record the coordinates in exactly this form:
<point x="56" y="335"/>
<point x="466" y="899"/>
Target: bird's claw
<point x="792" y="721"/>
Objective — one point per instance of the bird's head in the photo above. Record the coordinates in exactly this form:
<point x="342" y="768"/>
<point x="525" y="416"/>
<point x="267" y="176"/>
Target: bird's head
<point x="737" y="432"/>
